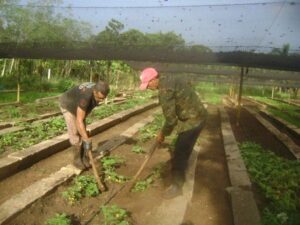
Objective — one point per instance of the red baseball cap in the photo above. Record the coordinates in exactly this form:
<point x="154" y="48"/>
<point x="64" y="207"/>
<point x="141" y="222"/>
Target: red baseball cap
<point x="146" y="76"/>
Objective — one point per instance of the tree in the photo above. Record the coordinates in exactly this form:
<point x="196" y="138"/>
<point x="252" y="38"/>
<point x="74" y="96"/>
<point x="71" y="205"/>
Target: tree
<point x="284" y="51"/>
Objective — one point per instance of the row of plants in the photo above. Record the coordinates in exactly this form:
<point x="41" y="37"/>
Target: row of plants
<point x="35" y="133"/>
<point x="278" y="183"/>
<point x="287" y="112"/>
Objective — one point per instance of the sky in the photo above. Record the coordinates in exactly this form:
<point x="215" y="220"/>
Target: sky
<point x="258" y="25"/>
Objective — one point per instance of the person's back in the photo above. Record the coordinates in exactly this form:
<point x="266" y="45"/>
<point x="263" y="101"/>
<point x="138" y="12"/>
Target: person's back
<point x="176" y="92"/>
<point x="81" y="95"/>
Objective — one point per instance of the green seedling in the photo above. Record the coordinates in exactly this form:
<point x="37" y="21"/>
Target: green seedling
<point x="278" y="181"/>
<point x="143" y="185"/>
<point x="84" y="186"/>
<point x="114" y="215"/>
<point x="110" y="163"/>
<point x="138" y="149"/>
<point x="59" y="219"/>
<point x="150" y="131"/>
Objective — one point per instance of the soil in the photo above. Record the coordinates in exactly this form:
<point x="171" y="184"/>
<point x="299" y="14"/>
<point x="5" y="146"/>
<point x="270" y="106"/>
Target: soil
<point x="209" y="205"/>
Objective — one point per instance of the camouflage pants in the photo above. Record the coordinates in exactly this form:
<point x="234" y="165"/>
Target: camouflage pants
<point x="183" y="149"/>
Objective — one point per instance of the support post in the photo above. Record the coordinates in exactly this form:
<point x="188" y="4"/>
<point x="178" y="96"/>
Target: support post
<point x="18" y="80"/>
<point x="240" y="96"/>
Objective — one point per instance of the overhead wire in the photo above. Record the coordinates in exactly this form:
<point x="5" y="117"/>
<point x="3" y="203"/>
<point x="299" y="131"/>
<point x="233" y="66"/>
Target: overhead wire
<point x="153" y="6"/>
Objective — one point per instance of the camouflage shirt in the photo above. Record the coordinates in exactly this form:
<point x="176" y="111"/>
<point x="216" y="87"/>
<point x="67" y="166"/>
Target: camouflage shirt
<point x="180" y="104"/>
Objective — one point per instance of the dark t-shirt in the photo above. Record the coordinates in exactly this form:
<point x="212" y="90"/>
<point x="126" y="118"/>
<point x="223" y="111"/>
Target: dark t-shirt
<point x="81" y="96"/>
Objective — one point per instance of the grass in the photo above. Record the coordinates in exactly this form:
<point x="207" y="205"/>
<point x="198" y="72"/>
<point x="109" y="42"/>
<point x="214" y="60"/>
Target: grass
<point x="278" y="181"/>
<point x="26" y="97"/>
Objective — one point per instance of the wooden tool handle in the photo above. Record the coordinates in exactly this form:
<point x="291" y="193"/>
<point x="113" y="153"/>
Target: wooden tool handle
<point x="96" y="174"/>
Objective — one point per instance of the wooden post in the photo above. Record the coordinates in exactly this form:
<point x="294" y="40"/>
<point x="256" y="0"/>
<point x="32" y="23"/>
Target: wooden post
<point x="273" y="89"/>
<point x="49" y="74"/>
<point x="240" y="96"/>
<point x="18" y="84"/>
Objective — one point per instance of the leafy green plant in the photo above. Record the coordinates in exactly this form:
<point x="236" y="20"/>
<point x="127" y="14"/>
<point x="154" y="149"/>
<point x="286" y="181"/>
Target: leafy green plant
<point x="149" y="131"/>
<point x="59" y="219"/>
<point x="84" y="186"/>
<point x="137" y="149"/>
<point x="110" y="163"/>
<point x="278" y="180"/>
<point x="143" y="185"/>
<point x="114" y="215"/>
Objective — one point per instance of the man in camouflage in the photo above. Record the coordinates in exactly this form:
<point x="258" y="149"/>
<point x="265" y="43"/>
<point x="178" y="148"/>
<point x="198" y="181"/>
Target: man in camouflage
<point x="182" y="108"/>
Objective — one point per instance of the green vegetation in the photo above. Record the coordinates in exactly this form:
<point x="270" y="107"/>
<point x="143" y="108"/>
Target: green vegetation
<point x="26" y="97"/>
<point x="212" y="93"/>
<point x="150" y="130"/>
<point x="59" y="219"/>
<point x="278" y="181"/>
<point x="138" y="149"/>
<point x="35" y="133"/>
<point x="110" y="164"/>
<point x="143" y="185"/>
<point x="114" y="215"/>
<point x="282" y="110"/>
<point x="84" y="186"/>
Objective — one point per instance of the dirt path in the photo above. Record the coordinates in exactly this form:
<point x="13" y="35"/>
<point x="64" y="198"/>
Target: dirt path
<point x="210" y="203"/>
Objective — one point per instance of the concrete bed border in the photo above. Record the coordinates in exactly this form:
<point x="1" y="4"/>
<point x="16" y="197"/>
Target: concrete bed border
<point x="244" y="207"/>
<point x="293" y="148"/>
<point x="17" y="161"/>
<point x="19" y="202"/>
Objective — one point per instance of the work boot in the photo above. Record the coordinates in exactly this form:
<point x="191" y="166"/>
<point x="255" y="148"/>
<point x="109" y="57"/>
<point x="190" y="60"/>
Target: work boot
<point x="175" y="188"/>
<point x="77" y="158"/>
<point x="172" y="191"/>
<point x="85" y="158"/>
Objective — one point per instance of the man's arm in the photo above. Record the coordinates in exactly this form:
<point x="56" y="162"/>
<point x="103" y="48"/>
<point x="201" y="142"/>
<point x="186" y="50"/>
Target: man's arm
<point x="80" y="116"/>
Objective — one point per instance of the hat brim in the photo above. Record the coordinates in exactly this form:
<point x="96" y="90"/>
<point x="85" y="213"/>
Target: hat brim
<point x="143" y="86"/>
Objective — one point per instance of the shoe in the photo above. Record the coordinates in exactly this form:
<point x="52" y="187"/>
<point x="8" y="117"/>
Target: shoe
<point x="77" y="162"/>
<point x="172" y="191"/>
<point x="85" y="158"/>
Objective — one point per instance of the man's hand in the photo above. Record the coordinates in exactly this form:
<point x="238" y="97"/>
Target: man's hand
<point x="160" y="137"/>
<point x="87" y="145"/>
